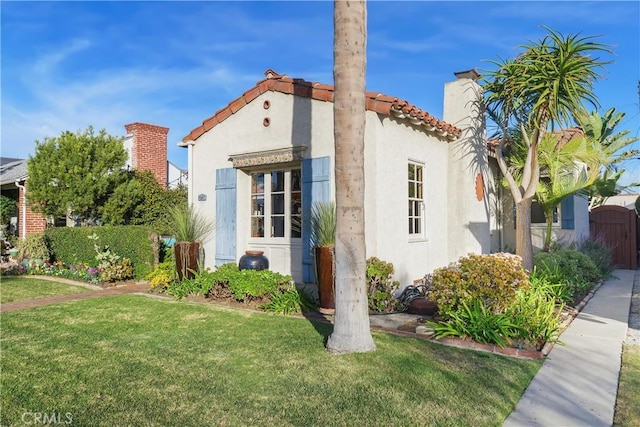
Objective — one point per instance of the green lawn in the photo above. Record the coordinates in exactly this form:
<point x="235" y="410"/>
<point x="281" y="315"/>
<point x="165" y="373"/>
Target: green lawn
<point x="135" y="360"/>
<point x="18" y="289"/>
<point x="628" y="403"/>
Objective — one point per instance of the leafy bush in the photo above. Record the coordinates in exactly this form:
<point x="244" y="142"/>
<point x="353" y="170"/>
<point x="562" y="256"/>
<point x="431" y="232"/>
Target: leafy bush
<point x="71" y="245"/>
<point x="162" y="275"/>
<point x="256" y="284"/>
<point x="35" y="246"/>
<point x="600" y="253"/>
<point x="492" y="279"/>
<point x="536" y="314"/>
<point x="289" y="300"/>
<point x="551" y="283"/>
<point x="381" y="286"/>
<point x="277" y="292"/>
<point x="7" y="209"/>
<point x="140" y="200"/>
<point x="119" y="270"/>
<point x="569" y="266"/>
<point x="474" y="320"/>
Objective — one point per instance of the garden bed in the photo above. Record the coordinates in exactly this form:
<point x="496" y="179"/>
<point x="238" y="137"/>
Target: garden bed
<point x="410" y="328"/>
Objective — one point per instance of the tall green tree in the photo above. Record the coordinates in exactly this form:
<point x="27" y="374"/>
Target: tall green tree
<point x="75" y="173"/>
<point x="569" y="164"/>
<point x="615" y="146"/>
<point x="351" y="329"/>
<point x="140" y="200"/>
<point x="536" y="92"/>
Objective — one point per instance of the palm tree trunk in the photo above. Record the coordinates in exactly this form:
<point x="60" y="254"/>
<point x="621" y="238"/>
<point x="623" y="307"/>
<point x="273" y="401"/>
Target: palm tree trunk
<point x="351" y="330"/>
<point x="548" y="216"/>
<point x="524" y="244"/>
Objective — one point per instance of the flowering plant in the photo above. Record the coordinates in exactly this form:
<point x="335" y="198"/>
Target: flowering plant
<point x="79" y="271"/>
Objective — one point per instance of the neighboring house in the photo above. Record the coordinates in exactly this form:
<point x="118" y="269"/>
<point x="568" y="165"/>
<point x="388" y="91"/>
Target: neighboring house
<point x="146" y="145"/>
<point x="626" y="200"/>
<point x="13" y="176"/>
<point x="259" y="164"/>
<point x="570" y="219"/>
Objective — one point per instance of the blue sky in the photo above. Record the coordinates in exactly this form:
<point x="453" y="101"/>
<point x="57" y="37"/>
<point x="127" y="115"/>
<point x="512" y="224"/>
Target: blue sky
<point x="68" y="65"/>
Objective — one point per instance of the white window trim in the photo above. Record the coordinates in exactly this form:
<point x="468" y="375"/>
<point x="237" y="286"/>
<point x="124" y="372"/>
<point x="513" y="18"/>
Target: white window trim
<point x="422" y="236"/>
<point x="267" y="239"/>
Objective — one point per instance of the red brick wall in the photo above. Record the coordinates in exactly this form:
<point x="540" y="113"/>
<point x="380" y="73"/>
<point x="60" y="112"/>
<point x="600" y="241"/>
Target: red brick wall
<point x="35" y="222"/>
<point x="149" y="149"/>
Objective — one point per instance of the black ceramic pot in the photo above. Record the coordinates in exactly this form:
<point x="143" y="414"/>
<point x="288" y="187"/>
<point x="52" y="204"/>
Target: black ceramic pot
<point x="253" y="260"/>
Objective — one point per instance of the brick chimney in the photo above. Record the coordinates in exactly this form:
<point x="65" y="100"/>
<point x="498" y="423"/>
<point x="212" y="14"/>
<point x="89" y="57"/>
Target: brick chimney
<point x="149" y="149"/>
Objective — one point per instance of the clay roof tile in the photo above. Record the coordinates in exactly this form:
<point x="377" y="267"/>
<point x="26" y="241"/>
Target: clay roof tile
<point x="375" y="101"/>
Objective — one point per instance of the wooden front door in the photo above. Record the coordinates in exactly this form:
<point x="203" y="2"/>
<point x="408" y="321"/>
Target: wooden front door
<point x="617" y="225"/>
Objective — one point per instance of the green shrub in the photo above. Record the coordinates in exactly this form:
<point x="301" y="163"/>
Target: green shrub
<point x="474" y="320"/>
<point x="241" y="285"/>
<point x="35" y="246"/>
<point x="137" y="243"/>
<point x="381" y="286"/>
<point x="569" y="266"/>
<point x="551" y="283"/>
<point x="289" y="300"/>
<point x="162" y="275"/>
<point x="600" y="253"/>
<point x="492" y="279"/>
<point x="256" y="284"/>
<point x="8" y="208"/>
<point x="536" y="315"/>
<point x="119" y="270"/>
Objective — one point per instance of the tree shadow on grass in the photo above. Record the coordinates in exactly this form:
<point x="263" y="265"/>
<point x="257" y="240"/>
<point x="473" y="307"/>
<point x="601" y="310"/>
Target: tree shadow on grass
<point x="321" y="323"/>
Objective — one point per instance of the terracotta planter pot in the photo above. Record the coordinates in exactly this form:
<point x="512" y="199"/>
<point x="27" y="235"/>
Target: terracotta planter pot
<point x="324" y="274"/>
<point x="422" y="306"/>
<point x="187" y="255"/>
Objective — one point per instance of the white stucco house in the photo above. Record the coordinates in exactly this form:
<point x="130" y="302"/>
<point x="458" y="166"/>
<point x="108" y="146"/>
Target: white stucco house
<point x="259" y="164"/>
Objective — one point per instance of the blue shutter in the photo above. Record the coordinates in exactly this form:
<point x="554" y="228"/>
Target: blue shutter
<point x="566" y="213"/>
<point x="315" y="188"/>
<point x="226" y="216"/>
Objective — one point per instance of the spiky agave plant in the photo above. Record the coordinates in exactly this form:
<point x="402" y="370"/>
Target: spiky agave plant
<point x="190" y="228"/>
<point x="323" y="224"/>
<point x="190" y="225"/>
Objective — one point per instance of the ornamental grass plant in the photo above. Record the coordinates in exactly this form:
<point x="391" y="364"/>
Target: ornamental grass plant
<point x="190" y="225"/>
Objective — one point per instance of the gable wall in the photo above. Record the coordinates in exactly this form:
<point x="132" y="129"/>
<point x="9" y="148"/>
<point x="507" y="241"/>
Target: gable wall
<point x="396" y="143"/>
<point x="390" y="144"/>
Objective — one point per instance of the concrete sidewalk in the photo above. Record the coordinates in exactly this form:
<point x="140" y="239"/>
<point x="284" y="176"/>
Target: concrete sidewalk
<point x="578" y="383"/>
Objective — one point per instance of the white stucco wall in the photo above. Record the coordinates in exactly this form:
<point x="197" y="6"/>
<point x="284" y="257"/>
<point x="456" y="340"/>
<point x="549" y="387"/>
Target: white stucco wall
<point x="626" y="200"/>
<point x="390" y="145"/>
<point x="468" y="218"/>
<point x="397" y="143"/>
<point x="175" y="176"/>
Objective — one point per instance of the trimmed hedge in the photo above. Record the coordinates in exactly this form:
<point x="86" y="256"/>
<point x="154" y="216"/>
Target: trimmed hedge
<point x="138" y="243"/>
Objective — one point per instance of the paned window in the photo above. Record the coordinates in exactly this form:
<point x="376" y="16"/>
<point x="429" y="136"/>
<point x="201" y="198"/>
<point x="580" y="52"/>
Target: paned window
<point x="276" y="204"/>
<point x="416" y="199"/>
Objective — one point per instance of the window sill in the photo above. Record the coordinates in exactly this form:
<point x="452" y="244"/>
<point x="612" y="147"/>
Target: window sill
<point x="418" y="239"/>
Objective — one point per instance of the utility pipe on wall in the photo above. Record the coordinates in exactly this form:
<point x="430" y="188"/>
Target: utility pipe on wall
<point x="23" y="216"/>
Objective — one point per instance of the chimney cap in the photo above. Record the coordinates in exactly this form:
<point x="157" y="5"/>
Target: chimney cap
<point x="468" y="74"/>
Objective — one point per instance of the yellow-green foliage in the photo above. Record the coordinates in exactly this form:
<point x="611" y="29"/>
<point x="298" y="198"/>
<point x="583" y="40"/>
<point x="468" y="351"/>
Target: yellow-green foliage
<point x="120" y="270"/>
<point x="162" y="275"/>
<point x="492" y="279"/>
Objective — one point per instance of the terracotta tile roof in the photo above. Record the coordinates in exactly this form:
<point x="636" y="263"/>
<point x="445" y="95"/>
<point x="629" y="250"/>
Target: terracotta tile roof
<point x="374" y="101"/>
